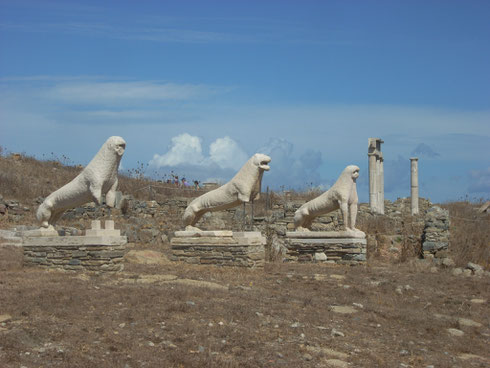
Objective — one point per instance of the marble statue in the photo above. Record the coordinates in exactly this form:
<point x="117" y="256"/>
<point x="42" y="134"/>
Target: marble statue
<point x="98" y="178"/>
<point x="343" y="195"/>
<point x="244" y="187"/>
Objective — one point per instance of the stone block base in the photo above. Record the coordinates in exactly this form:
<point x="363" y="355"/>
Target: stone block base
<point x="94" y="253"/>
<point x="322" y="246"/>
<point x="224" y="248"/>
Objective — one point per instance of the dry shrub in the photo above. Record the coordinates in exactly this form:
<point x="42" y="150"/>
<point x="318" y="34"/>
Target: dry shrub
<point x="375" y="224"/>
<point x="411" y="237"/>
<point x="470" y="234"/>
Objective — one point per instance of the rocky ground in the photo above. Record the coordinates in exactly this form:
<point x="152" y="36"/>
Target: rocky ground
<point x="167" y="314"/>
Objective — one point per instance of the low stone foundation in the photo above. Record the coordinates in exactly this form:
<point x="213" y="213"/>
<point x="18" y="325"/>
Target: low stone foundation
<point x="324" y="246"/>
<point x="99" y="251"/>
<point x="224" y="248"/>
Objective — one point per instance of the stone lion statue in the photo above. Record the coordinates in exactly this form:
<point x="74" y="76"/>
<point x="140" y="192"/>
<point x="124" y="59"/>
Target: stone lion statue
<point x="244" y="187"/>
<point x="343" y="195"/>
<point x="98" y="178"/>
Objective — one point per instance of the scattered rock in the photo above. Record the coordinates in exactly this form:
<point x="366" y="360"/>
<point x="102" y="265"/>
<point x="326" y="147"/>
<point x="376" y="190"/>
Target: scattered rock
<point x="342" y="309"/>
<point x="336" y="333"/>
<point x="455" y="332"/>
<point x="327" y="351"/>
<point x="457" y="271"/>
<point x="472" y="357"/>
<point x="337" y="363"/>
<point x="201" y="284"/>
<point x="307" y="357"/>
<point x="448" y="262"/>
<point x="320" y="257"/>
<point x="146" y="257"/>
<point x="464" y="322"/>
<point x="319" y="277"/>
<point x="474" y="267"/>
<point x="5" y="317"/>
<point x="148" y="279"/>
<point x="467" y="272"/>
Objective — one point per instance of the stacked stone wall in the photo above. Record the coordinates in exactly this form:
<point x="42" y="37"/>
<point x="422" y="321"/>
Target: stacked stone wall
<point x="435" y="238"/>
<point x="75" y="253"/>
<point x="236" y="249"/>
<point x="154" y="222"/>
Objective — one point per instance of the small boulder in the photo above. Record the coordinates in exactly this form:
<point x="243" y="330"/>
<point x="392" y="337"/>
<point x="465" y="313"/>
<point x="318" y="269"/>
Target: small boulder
<point x="146" y="257"/>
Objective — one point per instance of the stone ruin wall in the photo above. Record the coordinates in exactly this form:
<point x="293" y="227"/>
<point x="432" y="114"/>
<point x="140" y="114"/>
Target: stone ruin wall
<point x="155" y="222"/>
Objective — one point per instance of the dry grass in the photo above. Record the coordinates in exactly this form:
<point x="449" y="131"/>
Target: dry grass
<point x="26" y="178"/>
<point x="470" y="234"/>
<point x="280" y="316"/>
<point x="268" y="318"/>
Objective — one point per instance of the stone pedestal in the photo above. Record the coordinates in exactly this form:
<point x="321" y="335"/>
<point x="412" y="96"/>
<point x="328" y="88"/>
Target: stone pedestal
<point x="107" y="231"/>
<point x="98" y="250"/>
<point x="225" y="248"/>
<point x="326" y="246"/>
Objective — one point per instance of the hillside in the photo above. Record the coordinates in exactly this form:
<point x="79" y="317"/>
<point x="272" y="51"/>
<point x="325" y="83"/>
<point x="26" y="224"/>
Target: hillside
<point x="396" y="311"/>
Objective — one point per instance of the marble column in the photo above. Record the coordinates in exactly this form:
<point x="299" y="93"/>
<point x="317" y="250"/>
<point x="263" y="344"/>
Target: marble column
<point x="414" y="185"/>
<point x="373" y="192"/>
<point x="376" y="175"/>
<point x="381" y="186"/>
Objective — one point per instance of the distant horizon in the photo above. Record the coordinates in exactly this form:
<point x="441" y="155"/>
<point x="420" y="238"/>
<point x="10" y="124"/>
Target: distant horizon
<point x="198" y="87"/>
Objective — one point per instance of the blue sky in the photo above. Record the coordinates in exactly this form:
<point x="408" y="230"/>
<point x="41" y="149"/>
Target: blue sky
<point x="198" y="86"/>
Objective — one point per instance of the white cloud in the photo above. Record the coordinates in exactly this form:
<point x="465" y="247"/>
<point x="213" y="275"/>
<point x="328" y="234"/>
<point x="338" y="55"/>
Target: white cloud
<point x="185" y="156"/>
<point x="226" y="153"/>
<point x="116" y="92"/>
<point x="185" y="150"/>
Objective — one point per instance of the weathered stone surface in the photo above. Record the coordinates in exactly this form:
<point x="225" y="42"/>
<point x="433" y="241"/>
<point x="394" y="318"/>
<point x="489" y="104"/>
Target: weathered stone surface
<point x="98" y="178"/>
<point x="103" y="253"/>
<point x="5" y="317"/>
<point x="337" y="363"/>
<point x="243" y="187"/>
<point x="146" y="257"/>
<point x="199" y="284"/>
<point x="339" y="250"/>
<point x="327" y="351"/>
<point x="342" y="309"/>
<point x="325" y="234"/>
<point x="342" y="195"/>
<point x="435" y="238"/>
<point x="455" y="332"/>
<point x="242" y="249"/>
<point x="465" y="322"/>
<point x="203" y="233"/>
